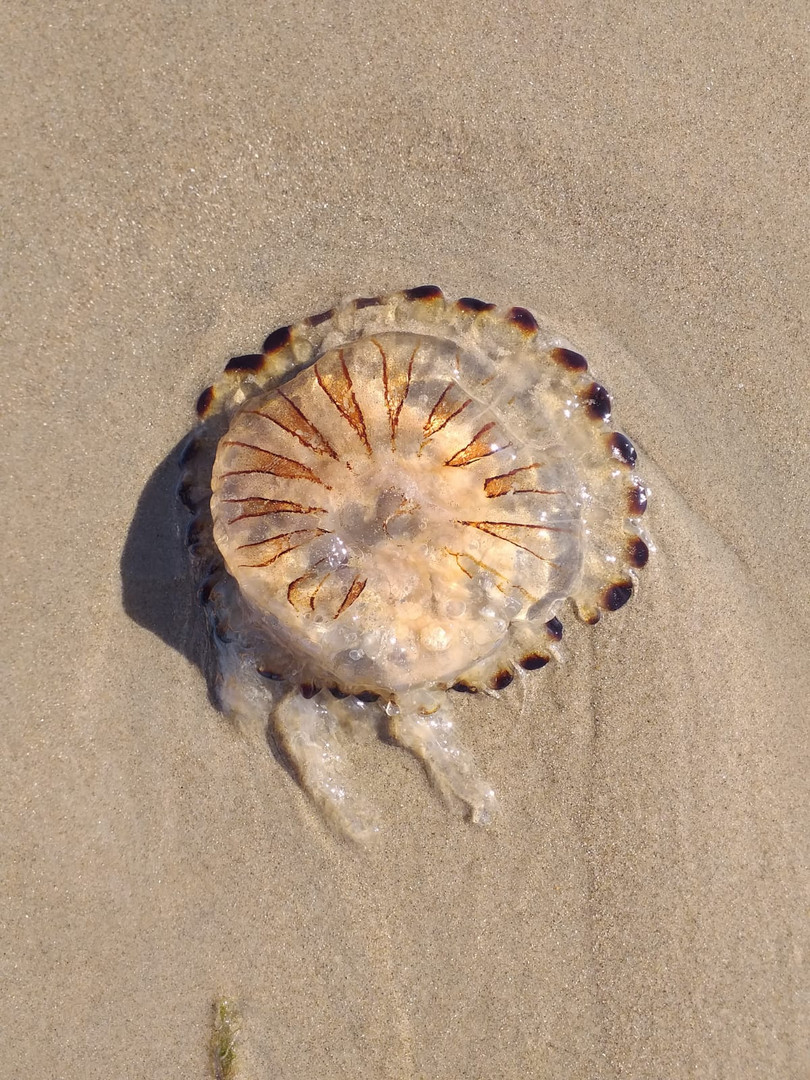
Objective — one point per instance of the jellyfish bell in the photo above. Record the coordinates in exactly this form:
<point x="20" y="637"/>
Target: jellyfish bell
<point x="404" y="492"/>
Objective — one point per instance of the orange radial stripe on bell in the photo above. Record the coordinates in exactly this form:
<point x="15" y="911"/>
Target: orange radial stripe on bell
<point x="337" y="385"/>
<point x="508" y="585"/>
<point x="510" y="483"/>
<point x="396" y="383"/>
<point x="480" y="446"/>
<point x="451" y="402"/>
<point x="507" y="530"/>
<point x="286" y="414"/>
<point x="282" y="544"/>
<point x="273" y="465"/>
<point x="303" y="591"/>
<point x="255" y="507"/>
<point x="355" y="589"/>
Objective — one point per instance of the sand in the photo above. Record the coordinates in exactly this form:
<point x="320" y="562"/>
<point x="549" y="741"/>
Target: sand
<point x="178" y="181"/>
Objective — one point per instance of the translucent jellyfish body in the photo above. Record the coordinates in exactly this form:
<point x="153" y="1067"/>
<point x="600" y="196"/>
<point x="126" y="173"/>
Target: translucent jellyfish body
<point x="392" y="500"/>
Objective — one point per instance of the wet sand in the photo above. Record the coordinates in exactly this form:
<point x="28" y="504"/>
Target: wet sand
<point x="178" y="182"/>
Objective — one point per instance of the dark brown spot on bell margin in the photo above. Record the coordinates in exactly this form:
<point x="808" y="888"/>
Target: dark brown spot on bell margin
<point x="638" y="552"/>
<point x="423" y="292"/>
<point x="195" y="531"/>
<point x="637" y="499"/>
<point x="366" y="301"/>
<point x="205" y="400"/>
<point x="222" y="631"/>
<point x="555" y="629"/>
<point x="248" y="362"/>
<point x="464" y="688"/>
<point x="316" y="320"/>
<point x="268" y="673"/>
<point x="469" y="303"/>
<point x="309" y="690"/>
<point x="597" y="401"/>
<point x="186" y="496"/>
<point x="622" y="448"/>
<point x="523" y="318"/>
<point x="207" y="587"/>
<point x="277" y="340"/>
<point x="617" y="595"/>
<point x="574" y="361"/>
<point x="533" y="661"/>
<point x="367" y="696"/>
<point x="501" y="680"/>
<point x="336" y="692"/>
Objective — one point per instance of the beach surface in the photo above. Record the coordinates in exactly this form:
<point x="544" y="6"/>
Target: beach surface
<point x="179" y="180"/>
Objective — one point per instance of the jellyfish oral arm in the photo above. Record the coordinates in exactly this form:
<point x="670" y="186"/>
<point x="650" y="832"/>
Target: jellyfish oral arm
<point x="450" y="767"/>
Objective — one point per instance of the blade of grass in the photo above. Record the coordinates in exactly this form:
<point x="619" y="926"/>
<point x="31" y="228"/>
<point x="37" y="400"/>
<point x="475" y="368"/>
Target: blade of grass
<point x="226" y="1029"/>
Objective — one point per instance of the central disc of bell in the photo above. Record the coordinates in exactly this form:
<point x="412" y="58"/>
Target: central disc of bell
<point x="390" y="510"/>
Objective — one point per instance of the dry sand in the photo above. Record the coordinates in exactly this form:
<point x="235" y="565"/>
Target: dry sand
<point x="179" y="179"/>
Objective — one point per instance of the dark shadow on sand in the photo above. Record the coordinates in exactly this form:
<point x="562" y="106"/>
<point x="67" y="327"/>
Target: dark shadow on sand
<point x="158" y="588"/>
